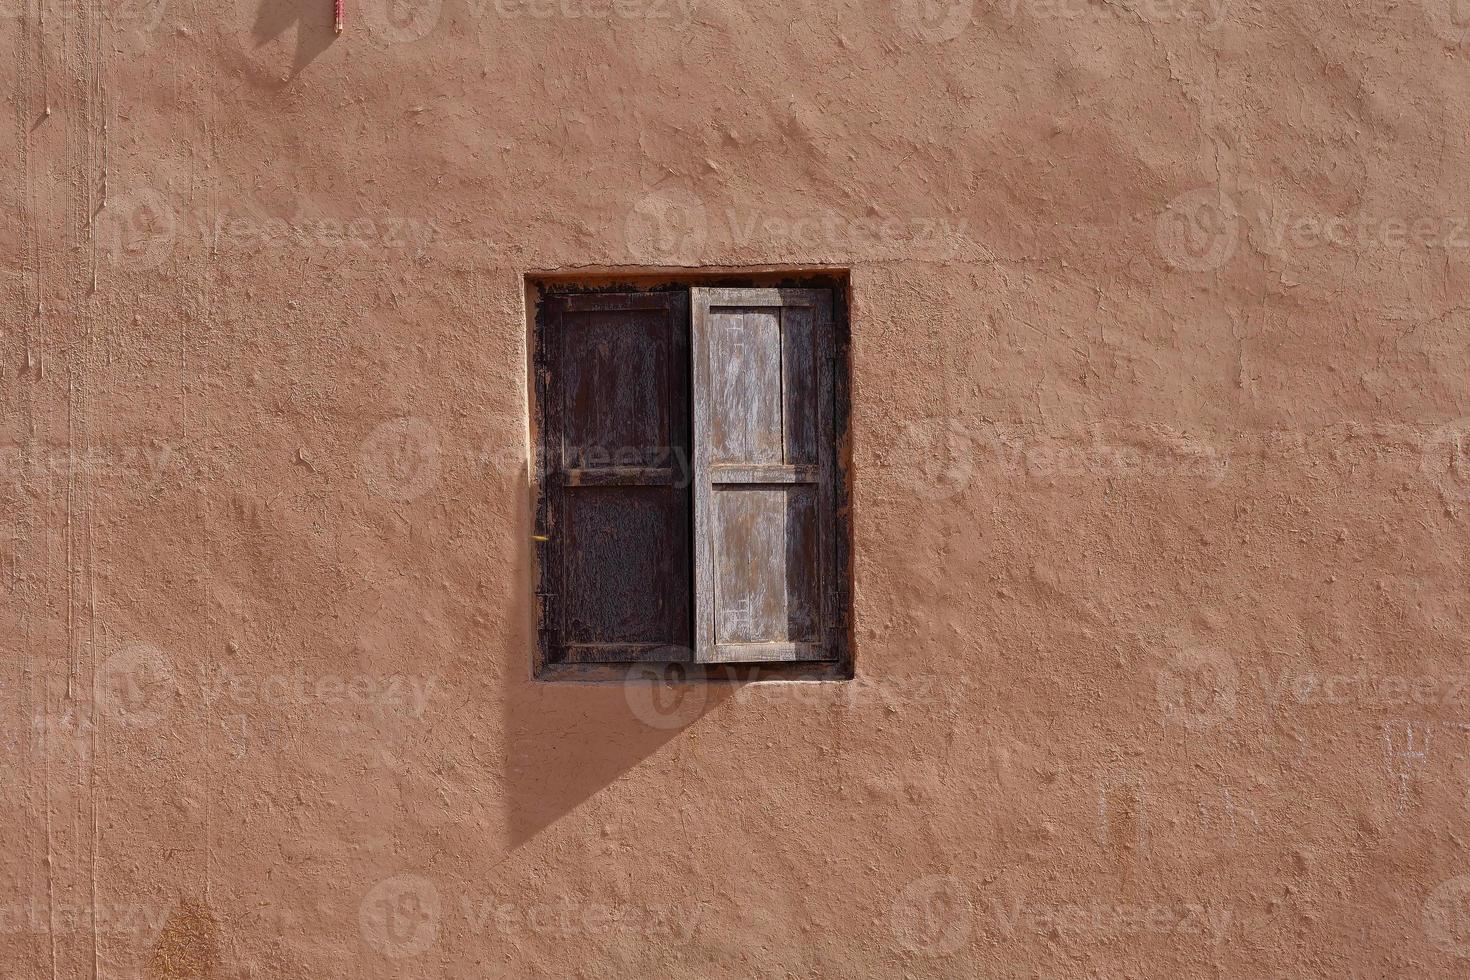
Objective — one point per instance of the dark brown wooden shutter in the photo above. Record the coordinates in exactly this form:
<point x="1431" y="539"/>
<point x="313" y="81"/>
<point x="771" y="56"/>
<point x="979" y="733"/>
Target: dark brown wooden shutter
<point x="763" y="475"/>
<point x="613" y="380"/>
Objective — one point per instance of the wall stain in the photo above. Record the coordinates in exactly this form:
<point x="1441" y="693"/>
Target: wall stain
<point x="188" y="946"/>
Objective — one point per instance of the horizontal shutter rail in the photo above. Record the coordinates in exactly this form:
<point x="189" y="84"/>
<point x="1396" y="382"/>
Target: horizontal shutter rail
<point x="622" y="476"/>
<point x="614" y="653"/>
<point x="725" y="299"/>
<point x="730" y="653"/>
<point x="763" y="473"/>
<point x="602" y="302"/>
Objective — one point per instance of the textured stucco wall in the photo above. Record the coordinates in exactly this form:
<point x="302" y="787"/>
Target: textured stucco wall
<point x="1159" y="369"/>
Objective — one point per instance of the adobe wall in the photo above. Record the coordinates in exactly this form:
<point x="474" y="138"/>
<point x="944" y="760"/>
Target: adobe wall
<point x="1159" y="373"/>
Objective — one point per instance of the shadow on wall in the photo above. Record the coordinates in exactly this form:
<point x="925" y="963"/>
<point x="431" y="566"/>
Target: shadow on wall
<point x="314" y="28"/>
<point x="566" y="741"/>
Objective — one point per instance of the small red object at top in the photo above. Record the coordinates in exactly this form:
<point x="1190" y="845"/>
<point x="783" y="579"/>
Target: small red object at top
<point x="337" y="16"/>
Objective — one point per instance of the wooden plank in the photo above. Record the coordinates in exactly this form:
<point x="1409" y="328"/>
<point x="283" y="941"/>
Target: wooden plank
<point x="601" y="302"/>
<point x="621" y="653"/>
<point x="757" y="296"/>
<point x="745" y="415"/>
<point x="736" y="653"/>
<point x="615" y="377"/>
<point x="767" y="573"/>
<point x="801" y="388"/>
<point x="625" y="566"/>
<point x="764" y="473"/>
<point x="622" y="476"/>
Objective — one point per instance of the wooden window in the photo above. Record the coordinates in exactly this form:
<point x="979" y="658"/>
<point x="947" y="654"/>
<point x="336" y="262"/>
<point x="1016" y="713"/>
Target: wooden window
<point x="691" y="488"/>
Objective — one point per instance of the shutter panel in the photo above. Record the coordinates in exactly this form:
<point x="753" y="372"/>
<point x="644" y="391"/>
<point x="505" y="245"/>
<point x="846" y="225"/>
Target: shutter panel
<point x="764" y="453"/>
<point x="614" y="389"/>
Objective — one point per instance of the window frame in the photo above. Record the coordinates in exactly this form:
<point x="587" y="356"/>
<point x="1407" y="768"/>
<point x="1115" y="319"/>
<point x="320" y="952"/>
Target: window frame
<point x="539" y="288"/>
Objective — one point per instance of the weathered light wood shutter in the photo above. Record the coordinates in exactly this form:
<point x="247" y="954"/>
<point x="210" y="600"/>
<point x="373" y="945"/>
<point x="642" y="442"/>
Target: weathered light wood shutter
<point x="613" y="382"/>
<point x="763" y="475"/>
